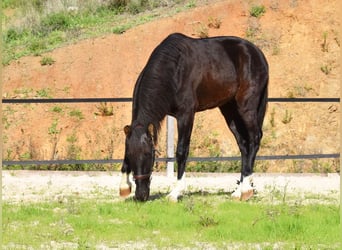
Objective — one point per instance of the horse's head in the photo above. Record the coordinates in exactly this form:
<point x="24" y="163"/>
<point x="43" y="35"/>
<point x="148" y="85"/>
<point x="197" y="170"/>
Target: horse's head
<point x="139" y="157"/>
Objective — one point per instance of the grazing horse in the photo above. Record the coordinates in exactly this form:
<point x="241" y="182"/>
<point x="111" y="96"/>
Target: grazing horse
<point x="183" y="76"/>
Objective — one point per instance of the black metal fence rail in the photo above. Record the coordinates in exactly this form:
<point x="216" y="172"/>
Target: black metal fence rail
<point x="128" y="99"/>
<point x="195" y="159"/>
<point x="164" y="159"/>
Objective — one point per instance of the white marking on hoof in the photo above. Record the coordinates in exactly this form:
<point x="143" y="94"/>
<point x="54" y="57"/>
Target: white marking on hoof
<point x="177" y="190"/>
<point x="236" y="195"/>
<point x="246" y="184"/>
<point x="244" y="191"/>
<point x="125" y="185"/>
<point x="247" y="191"/>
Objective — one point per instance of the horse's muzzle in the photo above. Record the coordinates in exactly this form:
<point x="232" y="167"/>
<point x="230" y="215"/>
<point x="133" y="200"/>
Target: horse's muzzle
<point x="142" y="195"/>
<point x="142" y="191"/>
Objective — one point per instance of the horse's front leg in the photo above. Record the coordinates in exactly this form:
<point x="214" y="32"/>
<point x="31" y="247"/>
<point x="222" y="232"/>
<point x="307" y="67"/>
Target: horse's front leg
<point x="184" y="126"/>
<point x="125" y="184"/>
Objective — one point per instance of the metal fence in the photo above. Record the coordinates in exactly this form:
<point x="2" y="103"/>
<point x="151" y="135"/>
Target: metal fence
<point x="165" y="159"/>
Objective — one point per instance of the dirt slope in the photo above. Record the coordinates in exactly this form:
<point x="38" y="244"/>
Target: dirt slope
<point x="291" y="33"/>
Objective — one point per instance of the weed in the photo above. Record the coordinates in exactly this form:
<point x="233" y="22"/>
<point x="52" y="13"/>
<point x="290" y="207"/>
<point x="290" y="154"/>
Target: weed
<point x="201" y="30"/>
<point x="44" y="93"/>
<point x="52" y="130"/>
<point x="257" y="11"/>
<point x="66" y="89"/>
<point x="324" y="45"/>
<point x="326" y="69"/>
<point x="251" y="33"/>
<point x="12" y="35"/>
<point x="299" y="90"/>
<point x="206" y="220"/>
<point x="275" y="50"/>
<point x="57" y="109"/>
<point x="120" y="29"/>
<point x="214" y="23"/>
<point x="25" y="156"/>
<point x="104" y="110"/>
<point x="36" y="46"/>
<point x="191" y="4"/>
<point x="287" y="117"/>
<point x="272" y="120"/>
<point x="73" y="151"/>
<point x="47" y="60"/>
<point x="77" y="114"/>
<point x="23" y="92"/>
<point x="56" y="21"/>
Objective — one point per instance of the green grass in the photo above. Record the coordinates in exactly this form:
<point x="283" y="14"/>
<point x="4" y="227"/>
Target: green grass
<point x="31" y="30"/>
<point x="196" y="219"/>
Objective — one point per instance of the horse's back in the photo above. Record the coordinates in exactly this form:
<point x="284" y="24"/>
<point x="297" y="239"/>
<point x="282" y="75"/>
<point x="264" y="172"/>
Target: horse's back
<point x="214" y="68"/>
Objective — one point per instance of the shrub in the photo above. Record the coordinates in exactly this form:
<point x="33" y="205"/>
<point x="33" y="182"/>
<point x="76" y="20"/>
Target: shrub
<point x="12" y="35"/>
<point x="56" y="21"/>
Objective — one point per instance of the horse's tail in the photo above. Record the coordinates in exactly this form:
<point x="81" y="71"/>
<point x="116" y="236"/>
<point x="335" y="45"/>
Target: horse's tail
<point x="263" y="102"/>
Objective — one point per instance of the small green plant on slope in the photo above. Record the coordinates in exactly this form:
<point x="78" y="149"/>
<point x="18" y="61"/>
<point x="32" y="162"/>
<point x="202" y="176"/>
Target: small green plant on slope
<point x="46" y="60"/>
<point x="272" y="120"/>
<point x="73" y="151"/>
<point x="214" y="23"/>
<point x="44" y="93"/>
<point x="77" y="114"/>
<point x="326" y="69"/>
<point x="287" y="117"/>
<point x="324" y="45"/>
<point x="54" y="133"/>
<point x="56" y="109"/>
<point x="257" y="11"/>
<point x="104" y="110"/>
<point x="201" y="30"/>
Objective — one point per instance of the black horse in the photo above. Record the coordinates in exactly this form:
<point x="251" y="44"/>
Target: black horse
<point x="183" y="76"/>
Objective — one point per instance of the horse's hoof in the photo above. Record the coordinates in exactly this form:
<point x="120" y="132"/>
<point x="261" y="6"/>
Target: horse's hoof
<point x="236" y="195"/>
<point x="124" y="192"/>
<point x="245" y="196"/>
<point x="172" y="198"/>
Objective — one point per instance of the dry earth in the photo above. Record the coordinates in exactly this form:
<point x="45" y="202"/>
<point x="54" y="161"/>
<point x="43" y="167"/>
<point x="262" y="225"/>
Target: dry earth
<point x="291" y="33"/>
<point x="59" y="186"/>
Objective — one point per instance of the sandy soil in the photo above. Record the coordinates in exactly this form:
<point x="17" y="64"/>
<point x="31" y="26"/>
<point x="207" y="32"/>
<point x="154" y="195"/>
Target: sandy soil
<point x="57" y="186"/>
<point x="290" y="33"/>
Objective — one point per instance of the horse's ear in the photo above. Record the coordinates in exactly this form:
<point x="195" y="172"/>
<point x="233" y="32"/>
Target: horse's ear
<point x="152" y="132"/>
<point x="127" y="130"/>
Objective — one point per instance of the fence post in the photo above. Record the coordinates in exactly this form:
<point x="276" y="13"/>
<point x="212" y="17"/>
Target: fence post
<point x="170" y="148"/>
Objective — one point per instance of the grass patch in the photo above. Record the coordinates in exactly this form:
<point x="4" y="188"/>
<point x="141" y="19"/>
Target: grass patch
<point x="35" y="27"/>
<point x="210" y="219"/>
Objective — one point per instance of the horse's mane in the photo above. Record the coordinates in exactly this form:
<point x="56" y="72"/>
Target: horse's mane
<point x="157" y="83"/>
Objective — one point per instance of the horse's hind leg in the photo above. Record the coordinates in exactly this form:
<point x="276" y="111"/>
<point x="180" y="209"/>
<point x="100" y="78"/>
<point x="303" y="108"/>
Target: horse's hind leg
<point x="237" y="126"/>
<point x="245" y="127"/>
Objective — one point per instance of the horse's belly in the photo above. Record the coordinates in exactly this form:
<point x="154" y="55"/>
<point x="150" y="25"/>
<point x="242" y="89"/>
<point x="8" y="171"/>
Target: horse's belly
<point x="213" y="94"/>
